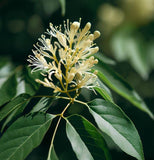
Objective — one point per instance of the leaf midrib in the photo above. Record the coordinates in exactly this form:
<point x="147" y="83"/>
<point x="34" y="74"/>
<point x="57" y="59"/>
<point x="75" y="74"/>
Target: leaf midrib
<point x="28" y="139"/>
<point x="122" y="136"/>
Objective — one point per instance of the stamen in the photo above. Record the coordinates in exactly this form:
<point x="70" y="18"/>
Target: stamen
<point x="69" y="59"/>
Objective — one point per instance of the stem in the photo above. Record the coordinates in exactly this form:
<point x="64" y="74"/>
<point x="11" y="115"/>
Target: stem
<point x="55" y="131"/>
<point x="67" y="98"/>
<point x="66" y="108"/>
<point x="84" y="103"/>
<point x="53" y="137"/>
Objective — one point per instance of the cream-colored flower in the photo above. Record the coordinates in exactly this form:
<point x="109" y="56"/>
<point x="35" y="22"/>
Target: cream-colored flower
<point x="68" y="59"/>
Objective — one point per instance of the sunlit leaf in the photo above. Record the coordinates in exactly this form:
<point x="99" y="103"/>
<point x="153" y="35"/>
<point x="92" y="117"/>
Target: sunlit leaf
<point x="112" y="121"/>
<point x="119" y="85"/>
<point x="23" y="136"/>
<point x="26" y="82"/>
<point x="103" y="91"/>
<point x="6" y="68"/>
<point x="86" y="140"/>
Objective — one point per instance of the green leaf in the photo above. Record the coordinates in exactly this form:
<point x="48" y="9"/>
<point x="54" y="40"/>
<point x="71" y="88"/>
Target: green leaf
<point x="101" y="57"/>
<point x="23" y="136"/>
<point x="16" y="107"/>
<point x="86" y="140"/>
<point x="16" y="103"/>
<point x="53" y="154"/>
<point x="3" y="61"/>
<point x="150" y="55"/>
<point x="128" y="47"/>
<point x="112" y="121"/>
<point x="119" y="85"/>
<point x="9" y="118"/>
<point x="103" y="91"/>
<point x="26" y="82"/>
<point x="8" y="89"/>
<point x="62" y="3"/>
<point x="5" y="67"/>
<point x="43" y="104"/>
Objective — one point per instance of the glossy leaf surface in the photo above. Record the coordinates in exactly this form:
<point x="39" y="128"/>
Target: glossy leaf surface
<point x="119" y="85"/>
<point x="23" y="136"/>
<point x="43" y="105"/>
<point x="112" y="121"/>
<point x="87" y="142"/>
<point x="103" y="91"/>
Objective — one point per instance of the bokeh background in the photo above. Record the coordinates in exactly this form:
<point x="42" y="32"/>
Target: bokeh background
<point x="127" y="37"/>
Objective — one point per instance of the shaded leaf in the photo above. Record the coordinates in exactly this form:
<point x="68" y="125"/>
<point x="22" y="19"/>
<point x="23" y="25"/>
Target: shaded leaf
<point x="43" y="104"/>
<point x="8" y="89"/>
<point x="16" y="110"/>
<point x="85" y="139"/>
<point x="49" y="6"/>
<point x="127" y="47"/>
<point x="62" y="3"/>
<point x="119" y="85"/>
<point x="16" y="103"/>
<point x="23" y="136"/>
<point x="112" y="121"/>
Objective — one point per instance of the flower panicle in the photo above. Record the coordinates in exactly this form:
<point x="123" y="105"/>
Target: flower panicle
<point x="68" y="59"/>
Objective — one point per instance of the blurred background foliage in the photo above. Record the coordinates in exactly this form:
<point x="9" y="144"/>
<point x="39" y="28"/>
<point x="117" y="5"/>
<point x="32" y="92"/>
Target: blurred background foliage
<point x="127" y="28"/>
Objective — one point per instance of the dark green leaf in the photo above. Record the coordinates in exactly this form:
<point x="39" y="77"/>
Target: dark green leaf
<point x="16" y="103"/>
<point x="119" y="85"/>
<point x="3" y="61"/>
<point x="86" y="140"/>
<point x="17" y="110"/>
<point x="112" y="121"/>
<point x="23" y="136"/>
<point x="43" y="104"/>
<point x="8" y="89"/>
<point x="9" y="118"/>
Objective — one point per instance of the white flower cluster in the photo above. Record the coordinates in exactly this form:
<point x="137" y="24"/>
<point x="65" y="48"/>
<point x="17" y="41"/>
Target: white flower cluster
<point x="69" y="59"/>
